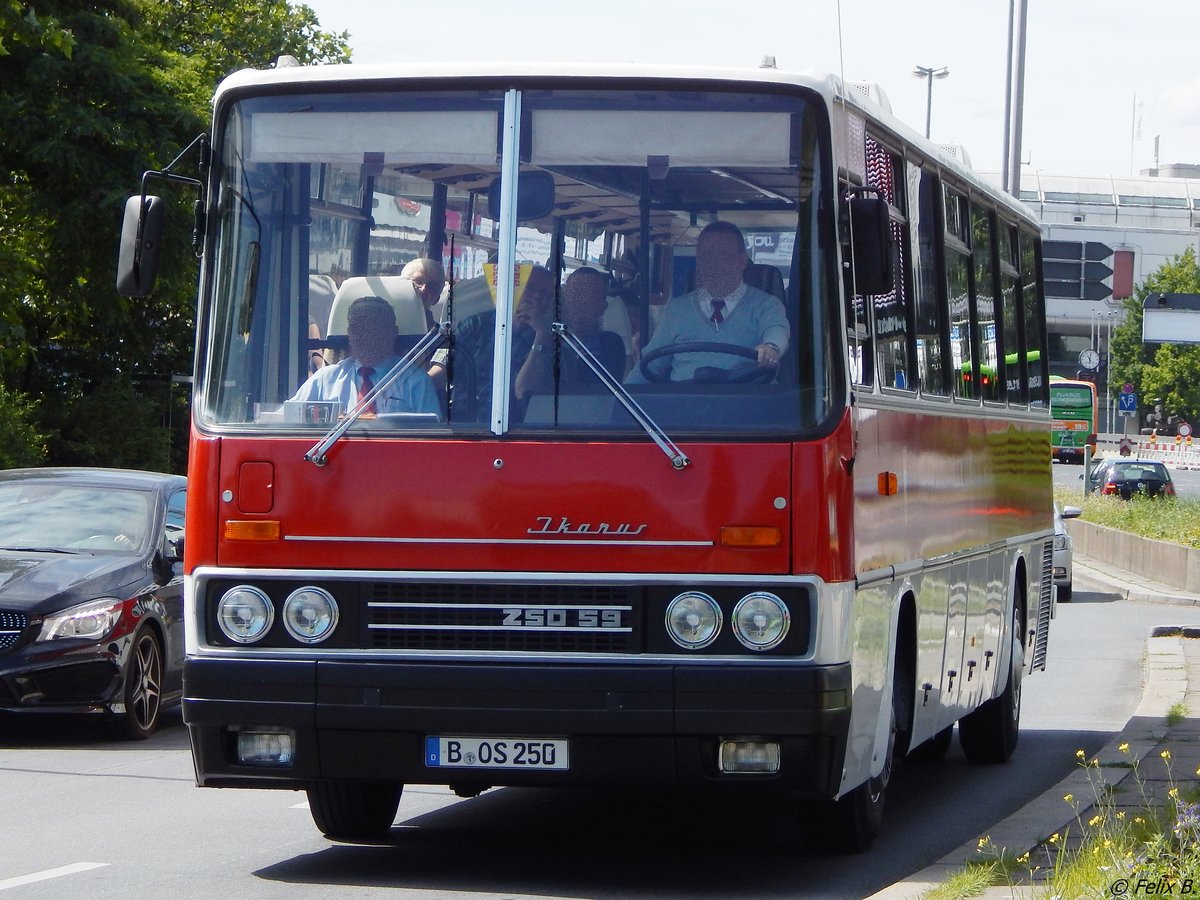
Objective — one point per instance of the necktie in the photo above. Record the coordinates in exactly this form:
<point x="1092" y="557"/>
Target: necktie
<point x="364" y="386"/>
<point x="718" y="316"/>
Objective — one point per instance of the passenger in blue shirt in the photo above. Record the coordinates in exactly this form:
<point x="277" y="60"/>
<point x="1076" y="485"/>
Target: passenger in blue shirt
<point x="371" y="330"/>
<point x="723" y="309"/>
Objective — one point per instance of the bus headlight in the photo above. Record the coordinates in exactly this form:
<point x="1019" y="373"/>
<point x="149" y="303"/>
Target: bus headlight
<point x="245" y="614"/>
<point x="693" y="620"/>
<point x="310" y="614"/>
<point x="761" y="620"/>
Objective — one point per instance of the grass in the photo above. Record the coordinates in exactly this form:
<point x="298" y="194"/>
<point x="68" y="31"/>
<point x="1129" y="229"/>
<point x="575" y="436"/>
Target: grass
<point x="1124" y="840"/>
<point x="1176" y="520"/>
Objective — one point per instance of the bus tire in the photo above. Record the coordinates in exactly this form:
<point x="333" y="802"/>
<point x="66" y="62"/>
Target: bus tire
<point x="354" y="810"/>
<point x="856" y="818"/>
<point x="989" y="734"/>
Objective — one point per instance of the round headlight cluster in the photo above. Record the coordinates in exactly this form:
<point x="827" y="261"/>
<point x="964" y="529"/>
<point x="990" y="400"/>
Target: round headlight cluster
<point x="693" y="620"/>
<point x="310" y="614"/>
<point x="245" y="614"/>
<point x="760" y="620"/>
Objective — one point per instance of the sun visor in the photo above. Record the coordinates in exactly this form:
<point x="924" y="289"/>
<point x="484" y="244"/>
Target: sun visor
<point x="384" y="138"/>
<point x="675" y="139"/>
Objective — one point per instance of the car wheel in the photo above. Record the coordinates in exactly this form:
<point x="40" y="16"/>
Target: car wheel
<point x="143" y="687"/>
<point x="1064" y="592"/>
<point x="361" y="811"/>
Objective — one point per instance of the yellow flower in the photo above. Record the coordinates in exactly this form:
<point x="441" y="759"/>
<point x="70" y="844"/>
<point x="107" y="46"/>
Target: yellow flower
<point x="1124" y="748"/>
<point x="1069" y="798"/>
<point x="1166" y="754"/>
<point x="1095" y="820"/>
<point x="1079" y="754"/>
<point x="1173" y="793"/>
<point x="1121" y="815"/>
<point x="1023" y="858"/>
<point x="1053" y="839"/>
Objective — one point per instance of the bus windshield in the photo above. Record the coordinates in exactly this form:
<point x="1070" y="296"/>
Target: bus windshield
<point x="328" y="197"/>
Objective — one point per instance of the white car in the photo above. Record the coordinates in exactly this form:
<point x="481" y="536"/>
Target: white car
<point x="1062" y="549"/>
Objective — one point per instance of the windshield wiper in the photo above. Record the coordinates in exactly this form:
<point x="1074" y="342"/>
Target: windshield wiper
<point x="41" y="550"/>
<point x="678" y="458"/>
<point x="318" y="455"/>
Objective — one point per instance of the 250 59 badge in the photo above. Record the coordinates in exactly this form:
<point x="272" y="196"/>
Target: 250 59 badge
<point x="443" y="751"/>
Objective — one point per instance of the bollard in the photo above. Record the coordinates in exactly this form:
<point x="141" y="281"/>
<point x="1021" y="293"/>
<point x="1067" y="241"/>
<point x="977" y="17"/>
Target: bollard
<point x="1087" y="469"/>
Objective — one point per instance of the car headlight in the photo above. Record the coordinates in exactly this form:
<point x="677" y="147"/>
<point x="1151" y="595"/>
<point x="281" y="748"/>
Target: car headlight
<point x="693" y="620"/>
<point x="310" y="614"/>
<point x="91" y="620"/>
<point x="1062" y="542"/>
<point x="761" y="620"/>
<point x="245" y="614"/>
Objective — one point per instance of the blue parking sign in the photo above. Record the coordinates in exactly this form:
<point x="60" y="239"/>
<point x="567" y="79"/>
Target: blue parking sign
<point x="1127" y="404"/>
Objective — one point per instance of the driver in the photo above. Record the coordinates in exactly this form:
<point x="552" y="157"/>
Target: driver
<point x="722" y="310"/>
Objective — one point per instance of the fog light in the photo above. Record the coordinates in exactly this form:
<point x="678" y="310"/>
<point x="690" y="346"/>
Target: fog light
<point x="740" y="757"/>
<point x="266" y="748"/>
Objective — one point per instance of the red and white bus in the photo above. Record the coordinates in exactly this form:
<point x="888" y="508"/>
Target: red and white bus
<point x="772" y="578"/>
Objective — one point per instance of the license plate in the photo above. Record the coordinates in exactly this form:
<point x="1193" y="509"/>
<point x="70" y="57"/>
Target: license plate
<point x="443" y="752"/>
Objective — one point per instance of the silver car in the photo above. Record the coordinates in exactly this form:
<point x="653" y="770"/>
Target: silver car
<point x="1062" y="549"/>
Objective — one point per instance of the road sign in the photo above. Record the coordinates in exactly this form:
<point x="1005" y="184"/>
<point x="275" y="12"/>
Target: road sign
<point x="1127" y="404"/>
<point x="1185" y="430"/>
<point x="1076" y="270"/>
<point x="1127" y="388"/>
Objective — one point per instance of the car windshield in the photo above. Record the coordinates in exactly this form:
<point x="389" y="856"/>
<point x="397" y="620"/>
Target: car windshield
<point x="47" y="516"/>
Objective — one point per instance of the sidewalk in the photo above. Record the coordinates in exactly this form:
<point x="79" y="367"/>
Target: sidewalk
<point x="1172" y="676"/>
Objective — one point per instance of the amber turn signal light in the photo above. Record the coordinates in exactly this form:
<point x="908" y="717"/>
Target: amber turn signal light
<point x="252" y="530"/>
<point x="750" y="536"/>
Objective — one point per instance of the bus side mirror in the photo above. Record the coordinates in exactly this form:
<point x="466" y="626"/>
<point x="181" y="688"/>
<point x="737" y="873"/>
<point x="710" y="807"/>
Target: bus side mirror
<point x="141" y="238"/>
<point x="871" y="244"/>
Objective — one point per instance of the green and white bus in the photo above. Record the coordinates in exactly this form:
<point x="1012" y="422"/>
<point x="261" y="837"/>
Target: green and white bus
<point x="1073" y="409"/>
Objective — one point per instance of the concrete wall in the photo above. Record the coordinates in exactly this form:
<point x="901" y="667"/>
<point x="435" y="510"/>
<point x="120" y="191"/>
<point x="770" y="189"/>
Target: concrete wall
<point x="1162" y="561"/>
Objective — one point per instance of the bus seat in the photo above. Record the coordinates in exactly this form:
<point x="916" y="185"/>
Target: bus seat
<point x="399" y="292"/>
<point x="616" y="320"/>
<point x="765" y="278"/>
<point x="321" y="291"/>
<point x="471" y="297"/>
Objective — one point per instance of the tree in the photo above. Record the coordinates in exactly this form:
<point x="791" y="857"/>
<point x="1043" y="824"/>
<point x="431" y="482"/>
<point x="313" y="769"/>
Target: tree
<point x="93" y="93"/>
<point x="1168" y="373"/>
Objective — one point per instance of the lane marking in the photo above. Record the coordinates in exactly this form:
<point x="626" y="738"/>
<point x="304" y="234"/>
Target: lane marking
<point x="73" y="869"/>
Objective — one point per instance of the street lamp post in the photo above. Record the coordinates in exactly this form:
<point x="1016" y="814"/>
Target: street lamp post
<point x="929" y="73"/>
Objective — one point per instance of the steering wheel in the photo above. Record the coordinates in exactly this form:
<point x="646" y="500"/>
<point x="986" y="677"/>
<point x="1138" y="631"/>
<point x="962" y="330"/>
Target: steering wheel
<point x="736" y="375"/>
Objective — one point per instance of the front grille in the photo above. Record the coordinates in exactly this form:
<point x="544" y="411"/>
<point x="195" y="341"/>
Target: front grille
<point x="489" y="617"/>
<point x="11" y="626"/>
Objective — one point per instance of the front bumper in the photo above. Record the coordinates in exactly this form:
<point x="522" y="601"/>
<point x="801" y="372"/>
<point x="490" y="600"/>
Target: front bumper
<point x="76" y="681"/>
<point x="626" y="724"/>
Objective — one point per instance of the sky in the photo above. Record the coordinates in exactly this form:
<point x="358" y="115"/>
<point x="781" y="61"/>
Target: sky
<point x="1103" y="79"/>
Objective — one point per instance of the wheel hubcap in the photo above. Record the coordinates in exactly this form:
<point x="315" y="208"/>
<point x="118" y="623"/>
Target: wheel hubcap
<point x="146" y="675"/>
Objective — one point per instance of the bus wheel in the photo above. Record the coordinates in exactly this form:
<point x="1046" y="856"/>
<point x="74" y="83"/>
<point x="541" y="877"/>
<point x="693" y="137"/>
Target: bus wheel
<point x="851" y="823"/>
<point x="354" y="810"/>
<point x="989" y="735"/>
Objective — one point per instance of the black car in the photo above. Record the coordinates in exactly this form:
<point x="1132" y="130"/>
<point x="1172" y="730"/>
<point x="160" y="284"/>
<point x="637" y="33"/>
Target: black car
<point x="1125" y="478"/>
<point x="91" y="593"/>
